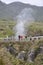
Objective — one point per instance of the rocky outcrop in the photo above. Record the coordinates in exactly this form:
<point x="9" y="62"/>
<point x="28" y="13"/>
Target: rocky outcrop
<point x="12" y="50"/>
<point x="28" y="56"/>
<point x="33" y="54"/>
<point x="21" y="55"/>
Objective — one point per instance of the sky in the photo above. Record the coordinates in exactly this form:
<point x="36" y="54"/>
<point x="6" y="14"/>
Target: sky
<point x="33" y="2"/>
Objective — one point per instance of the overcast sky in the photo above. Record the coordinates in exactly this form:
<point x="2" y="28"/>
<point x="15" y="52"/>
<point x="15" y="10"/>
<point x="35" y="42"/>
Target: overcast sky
<point x="33" y="2"/>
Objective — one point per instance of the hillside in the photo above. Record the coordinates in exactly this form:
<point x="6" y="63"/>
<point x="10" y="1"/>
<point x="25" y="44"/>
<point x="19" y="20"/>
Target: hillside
<point x="13" y="10"/>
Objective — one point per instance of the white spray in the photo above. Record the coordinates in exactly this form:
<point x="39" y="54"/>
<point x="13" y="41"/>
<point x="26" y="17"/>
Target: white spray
<point x="23" y="17"/>
<point x="19" y="29"/>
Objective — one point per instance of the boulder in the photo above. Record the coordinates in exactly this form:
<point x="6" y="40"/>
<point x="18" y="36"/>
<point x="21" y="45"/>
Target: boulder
<point x="21" y="55"/>
<point x="12" y="50"/>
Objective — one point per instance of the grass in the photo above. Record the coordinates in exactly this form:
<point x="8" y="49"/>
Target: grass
<point x="9" y="59"/>
<point x="35" y="28"/>
<point x="6" y="28"/>
<point x="6" y="58"/>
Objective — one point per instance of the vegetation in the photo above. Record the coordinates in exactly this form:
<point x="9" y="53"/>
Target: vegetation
<point x="6" y="28"/>
<point x="6" y="58"/>
<point x="35" y="29"/>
